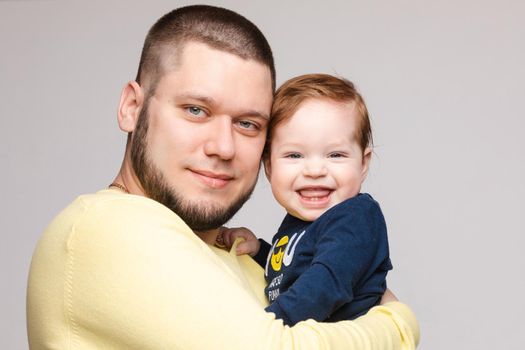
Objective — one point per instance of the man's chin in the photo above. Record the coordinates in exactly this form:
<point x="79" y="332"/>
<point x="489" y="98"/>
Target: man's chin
<point x="205" y="219"/>
<point x="205" y="215"/>
<point x="200" y="210"/>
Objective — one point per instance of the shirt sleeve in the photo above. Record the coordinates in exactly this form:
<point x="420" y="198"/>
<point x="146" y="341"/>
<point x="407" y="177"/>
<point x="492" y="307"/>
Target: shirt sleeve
<point x="152" y="284"/>
<point x="352" y="245"/>
<point x="262" y="255"/>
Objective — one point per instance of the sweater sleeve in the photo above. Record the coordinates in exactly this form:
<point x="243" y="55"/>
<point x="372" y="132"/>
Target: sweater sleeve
<point x="262" y="254"/>
<point x="152" y="284"/>
<point x="352" y="245"/>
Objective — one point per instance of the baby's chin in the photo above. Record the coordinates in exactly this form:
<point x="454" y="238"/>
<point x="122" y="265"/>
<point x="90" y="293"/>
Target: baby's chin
<point x="309" y="214"/>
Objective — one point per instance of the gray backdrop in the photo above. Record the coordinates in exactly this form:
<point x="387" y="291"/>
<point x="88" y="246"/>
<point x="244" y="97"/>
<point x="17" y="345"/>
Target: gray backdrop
<point x="443" y="81"/>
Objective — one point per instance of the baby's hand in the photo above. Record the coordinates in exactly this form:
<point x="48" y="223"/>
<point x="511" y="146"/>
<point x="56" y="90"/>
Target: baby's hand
<point x="250" y="245"/>
<point x="388" y="296"/>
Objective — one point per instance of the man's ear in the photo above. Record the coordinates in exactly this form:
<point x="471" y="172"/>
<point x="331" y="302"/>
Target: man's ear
<point x="367" y="155"/>
<point x="130" y="105"/>
<point x="267" y="167"/>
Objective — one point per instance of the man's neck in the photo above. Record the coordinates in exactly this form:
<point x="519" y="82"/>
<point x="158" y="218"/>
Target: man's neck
<point x="126" y="177"/>
<point x="209" y="237"/>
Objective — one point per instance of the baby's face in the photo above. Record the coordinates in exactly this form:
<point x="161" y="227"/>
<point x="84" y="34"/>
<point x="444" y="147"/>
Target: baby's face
<point x="316" y="161"/>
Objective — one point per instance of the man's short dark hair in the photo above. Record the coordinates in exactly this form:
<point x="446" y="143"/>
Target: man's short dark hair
<point x="217" y="27"/>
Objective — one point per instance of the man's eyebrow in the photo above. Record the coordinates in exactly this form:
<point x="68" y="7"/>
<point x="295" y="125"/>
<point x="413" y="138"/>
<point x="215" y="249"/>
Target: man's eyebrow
<point x="196" y="96"/>
<point x="212" y="102"/>
<point x="253" y="113"/>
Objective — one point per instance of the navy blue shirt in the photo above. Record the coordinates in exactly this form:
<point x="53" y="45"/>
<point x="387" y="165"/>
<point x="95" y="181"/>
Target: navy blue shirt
<point x="331" y="269"/>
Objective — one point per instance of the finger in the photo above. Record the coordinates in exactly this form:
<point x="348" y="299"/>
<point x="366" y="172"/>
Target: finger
<point x="236" y="233"/>
<point x="243" y="248"/>
<point x="230" y="235"/>
<point x="227" y="237"/>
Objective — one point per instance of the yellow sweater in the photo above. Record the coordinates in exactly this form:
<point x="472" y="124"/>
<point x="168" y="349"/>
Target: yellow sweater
<point x="118" y="271"/>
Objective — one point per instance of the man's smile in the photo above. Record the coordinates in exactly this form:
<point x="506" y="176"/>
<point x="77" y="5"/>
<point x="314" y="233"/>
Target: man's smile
<point x="212" y="179"/>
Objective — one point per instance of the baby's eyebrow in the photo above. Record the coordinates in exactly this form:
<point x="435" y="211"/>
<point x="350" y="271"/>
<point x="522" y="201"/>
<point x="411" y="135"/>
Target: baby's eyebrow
<point x="292" y="144"/>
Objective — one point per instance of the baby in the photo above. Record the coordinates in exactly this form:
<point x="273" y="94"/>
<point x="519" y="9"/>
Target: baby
<point x="329" y="258"/>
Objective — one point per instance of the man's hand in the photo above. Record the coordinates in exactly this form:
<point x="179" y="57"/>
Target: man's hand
<point x="250" y="245"/>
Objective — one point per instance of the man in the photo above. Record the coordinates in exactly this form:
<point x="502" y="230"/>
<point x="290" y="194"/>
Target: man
<point x="135" y="266"/>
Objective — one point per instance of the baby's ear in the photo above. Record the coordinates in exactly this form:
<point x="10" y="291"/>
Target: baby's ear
<point x="367" y="155"/>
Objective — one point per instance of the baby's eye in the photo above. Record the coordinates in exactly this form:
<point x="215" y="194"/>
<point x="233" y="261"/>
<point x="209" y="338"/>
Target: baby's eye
<point x="293" y="155"/>
<point x="336" y="155"/>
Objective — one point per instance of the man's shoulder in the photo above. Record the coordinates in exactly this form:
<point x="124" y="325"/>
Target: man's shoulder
<point x="115" y="205"/>
<point x="111" y="199"/>
<point x="108" y="214"/>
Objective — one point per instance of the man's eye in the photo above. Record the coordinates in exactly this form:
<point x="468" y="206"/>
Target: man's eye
<point x="246" y="124"/>
<point x="196" y="111"/>
<point x="293" y="155"/>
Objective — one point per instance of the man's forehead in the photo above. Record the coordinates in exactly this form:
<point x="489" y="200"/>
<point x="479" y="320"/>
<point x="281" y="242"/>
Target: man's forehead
<point x="174" y="56"/>
<point x="205" y="73"/>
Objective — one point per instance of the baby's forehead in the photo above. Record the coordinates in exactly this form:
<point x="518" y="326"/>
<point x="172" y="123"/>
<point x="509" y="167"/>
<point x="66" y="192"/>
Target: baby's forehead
<point x="348" y="103"/>
<point x="331" y="120"/>
<point x="318" y="110"/>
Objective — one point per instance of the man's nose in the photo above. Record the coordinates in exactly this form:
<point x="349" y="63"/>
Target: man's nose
<point x="315" y="167"/>
<point x="220" y="141"/>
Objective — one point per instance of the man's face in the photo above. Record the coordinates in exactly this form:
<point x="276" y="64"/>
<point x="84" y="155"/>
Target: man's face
<point x="198" y="142"/>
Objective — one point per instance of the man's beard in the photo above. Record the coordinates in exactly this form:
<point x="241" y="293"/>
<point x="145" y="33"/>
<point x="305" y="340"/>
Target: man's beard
<point x="198" y="216"/>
